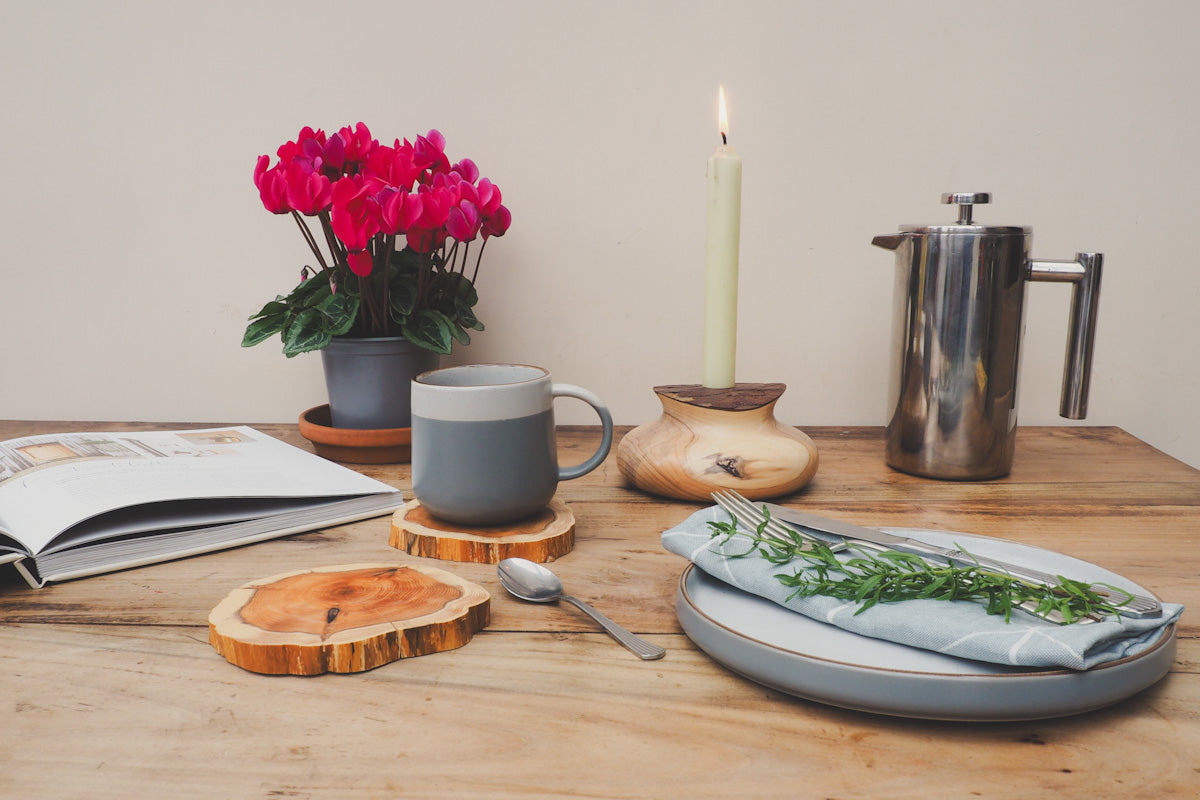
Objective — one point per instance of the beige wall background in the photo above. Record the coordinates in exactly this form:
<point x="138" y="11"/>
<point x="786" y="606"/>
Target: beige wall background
<point x="135" y="245"/>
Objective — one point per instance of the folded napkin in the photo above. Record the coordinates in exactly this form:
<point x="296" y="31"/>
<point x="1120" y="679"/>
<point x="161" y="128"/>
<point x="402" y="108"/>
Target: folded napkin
<point x="961" y="628"/>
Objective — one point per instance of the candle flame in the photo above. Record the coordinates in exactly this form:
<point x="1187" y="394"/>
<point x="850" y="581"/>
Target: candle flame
<point x="722" y="115"/>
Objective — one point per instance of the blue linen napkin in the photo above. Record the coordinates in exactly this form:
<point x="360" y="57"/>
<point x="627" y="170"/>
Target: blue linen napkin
<point x="963" y="629"/>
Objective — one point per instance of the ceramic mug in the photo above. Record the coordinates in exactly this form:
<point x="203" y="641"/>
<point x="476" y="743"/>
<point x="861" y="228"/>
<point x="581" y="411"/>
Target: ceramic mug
<point x="483" y="447"/>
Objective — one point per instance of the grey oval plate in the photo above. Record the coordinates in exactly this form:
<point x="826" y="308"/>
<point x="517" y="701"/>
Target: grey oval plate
<point x="800" y="656"/>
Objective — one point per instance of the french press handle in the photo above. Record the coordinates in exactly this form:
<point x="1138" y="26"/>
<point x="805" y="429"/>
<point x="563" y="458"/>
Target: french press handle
<point x="1084" y="272"/>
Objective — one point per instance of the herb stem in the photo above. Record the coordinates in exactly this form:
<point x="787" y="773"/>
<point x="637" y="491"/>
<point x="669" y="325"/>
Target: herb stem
<point x="891" y="576"/>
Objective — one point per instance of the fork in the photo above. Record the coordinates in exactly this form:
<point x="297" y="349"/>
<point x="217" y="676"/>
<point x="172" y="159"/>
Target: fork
<point x="754" y="519"/>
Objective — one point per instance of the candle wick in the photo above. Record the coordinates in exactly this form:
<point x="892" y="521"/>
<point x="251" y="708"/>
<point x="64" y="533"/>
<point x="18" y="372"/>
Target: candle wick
<point x="723" y="139"/>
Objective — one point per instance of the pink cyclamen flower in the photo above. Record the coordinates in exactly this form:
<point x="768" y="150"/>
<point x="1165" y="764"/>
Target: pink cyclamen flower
<point x="394" y="166"/>
<point x="496" y="223"/>
<point x="307" y="192"/>
<point x="358" y="146"/>
<point x="332" y="159"/>
<point x="467" y="169"/>
<point x="436" y="202"/>
<point x="489" y="196"/>
<point x="430" y="152"/>
<point x="307" y="145"/>
<point x="463" y="222"/>
<point x="399" y="210"/>
<point x="354" y="214"/>
<point x="272" y="186"/>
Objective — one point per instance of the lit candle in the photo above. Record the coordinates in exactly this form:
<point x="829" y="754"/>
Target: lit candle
<point x="721" y="258"/>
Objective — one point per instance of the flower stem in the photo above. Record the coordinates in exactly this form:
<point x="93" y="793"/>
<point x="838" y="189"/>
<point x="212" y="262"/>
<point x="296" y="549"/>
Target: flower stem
<point x="389" y="247"/>
<point x="335" y="247"/>
<point x="310" y="239"/>
<point x="478" y="258"/>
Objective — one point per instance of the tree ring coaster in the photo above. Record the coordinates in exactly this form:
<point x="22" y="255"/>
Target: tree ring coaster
<point x="347" y="618"/>
<point x="543" y="537"/>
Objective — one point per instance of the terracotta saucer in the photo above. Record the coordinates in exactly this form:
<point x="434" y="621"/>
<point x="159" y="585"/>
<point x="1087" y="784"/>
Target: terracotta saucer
<point x="352" y="445"/>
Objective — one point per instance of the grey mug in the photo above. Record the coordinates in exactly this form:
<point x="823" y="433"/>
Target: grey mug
<point x="483" y="443"/>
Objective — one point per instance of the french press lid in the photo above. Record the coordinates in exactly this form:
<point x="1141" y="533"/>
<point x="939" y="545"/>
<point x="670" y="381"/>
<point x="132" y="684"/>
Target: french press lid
<point x="966" y="225"/>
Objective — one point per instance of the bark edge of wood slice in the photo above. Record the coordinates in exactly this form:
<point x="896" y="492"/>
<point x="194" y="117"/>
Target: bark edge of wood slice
<point x="541" y="538"/>
<point x="346" y="618"/>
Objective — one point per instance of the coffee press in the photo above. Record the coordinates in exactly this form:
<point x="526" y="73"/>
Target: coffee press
<point x="959" y="295"/>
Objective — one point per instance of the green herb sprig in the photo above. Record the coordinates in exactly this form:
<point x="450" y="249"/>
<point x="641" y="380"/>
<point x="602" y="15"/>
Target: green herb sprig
<point x="891" y="576"/>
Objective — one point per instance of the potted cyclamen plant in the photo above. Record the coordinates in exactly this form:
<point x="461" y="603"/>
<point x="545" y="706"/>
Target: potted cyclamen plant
<point x="396" y="278"/>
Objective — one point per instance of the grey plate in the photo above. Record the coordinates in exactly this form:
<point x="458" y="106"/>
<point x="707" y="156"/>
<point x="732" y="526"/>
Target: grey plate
<point x="792" y="653"/>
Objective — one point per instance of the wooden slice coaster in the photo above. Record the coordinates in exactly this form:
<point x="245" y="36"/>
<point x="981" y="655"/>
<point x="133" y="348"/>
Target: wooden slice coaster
<point x="541" y="538"/>
<point x="347" y="618"/>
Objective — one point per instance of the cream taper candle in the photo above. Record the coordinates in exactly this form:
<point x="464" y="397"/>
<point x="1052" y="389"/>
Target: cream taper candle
<point x="721" y="258"/>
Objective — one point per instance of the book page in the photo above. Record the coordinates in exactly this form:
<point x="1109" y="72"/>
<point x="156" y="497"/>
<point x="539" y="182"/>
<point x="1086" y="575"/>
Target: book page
<point x="50" y="483"/>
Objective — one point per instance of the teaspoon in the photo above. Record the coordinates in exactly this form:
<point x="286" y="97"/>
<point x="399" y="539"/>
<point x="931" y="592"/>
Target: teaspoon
<point x="533" y="582"/>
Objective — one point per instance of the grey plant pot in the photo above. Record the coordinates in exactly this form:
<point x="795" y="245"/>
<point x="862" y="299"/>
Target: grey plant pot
<point x="369" y="380"/>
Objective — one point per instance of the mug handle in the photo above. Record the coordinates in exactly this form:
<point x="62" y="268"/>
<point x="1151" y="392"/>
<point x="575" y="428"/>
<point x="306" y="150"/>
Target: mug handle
<point x="579" y="393"/>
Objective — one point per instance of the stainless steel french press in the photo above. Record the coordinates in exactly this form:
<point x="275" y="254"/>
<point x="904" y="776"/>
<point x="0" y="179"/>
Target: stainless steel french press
<point x="959" y="295"/>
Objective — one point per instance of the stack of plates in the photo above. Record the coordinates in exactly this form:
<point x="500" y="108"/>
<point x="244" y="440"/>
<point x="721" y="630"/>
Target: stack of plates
<point x="801" y="656"/>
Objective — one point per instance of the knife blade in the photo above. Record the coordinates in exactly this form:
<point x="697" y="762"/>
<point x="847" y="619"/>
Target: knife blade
<point x="1138" y="606"/>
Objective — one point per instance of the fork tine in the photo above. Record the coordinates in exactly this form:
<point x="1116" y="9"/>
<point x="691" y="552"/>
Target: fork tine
<point x="748" y="515"/>
<point x="740" y="509"/>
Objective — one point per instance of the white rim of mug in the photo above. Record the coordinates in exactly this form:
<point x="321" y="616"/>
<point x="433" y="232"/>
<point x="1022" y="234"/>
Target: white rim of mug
<point x="542" y="373"/>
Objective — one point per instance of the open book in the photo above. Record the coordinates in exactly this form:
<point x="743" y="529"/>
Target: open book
<point x="77" y="504"/>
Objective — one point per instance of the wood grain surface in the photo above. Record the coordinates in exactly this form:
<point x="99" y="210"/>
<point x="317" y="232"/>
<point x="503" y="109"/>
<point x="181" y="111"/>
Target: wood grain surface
<point x="710" y="439"/>
<point x="112" y="690"/>
<point x="543" y="537"/>
<point x="349" y="618"/>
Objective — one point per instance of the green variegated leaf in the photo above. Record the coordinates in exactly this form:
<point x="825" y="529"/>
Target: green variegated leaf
<point x="263" y="328"/>
<point x="430" y="329"/>
<point x="403" y="297"/>
<point x="278" y="306"/>
<point x="305" y="332"/>
<point x="341" y="311"/>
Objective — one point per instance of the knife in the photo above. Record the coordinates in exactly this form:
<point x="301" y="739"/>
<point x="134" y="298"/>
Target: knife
<point x="835" y="531"/>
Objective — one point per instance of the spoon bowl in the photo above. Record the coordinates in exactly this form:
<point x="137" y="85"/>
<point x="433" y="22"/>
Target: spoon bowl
<point x="529" y="581"/>
<point x="533" y="582"/>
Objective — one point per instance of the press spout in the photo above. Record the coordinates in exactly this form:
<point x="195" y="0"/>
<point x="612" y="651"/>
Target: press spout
<point x="889" y="241"/>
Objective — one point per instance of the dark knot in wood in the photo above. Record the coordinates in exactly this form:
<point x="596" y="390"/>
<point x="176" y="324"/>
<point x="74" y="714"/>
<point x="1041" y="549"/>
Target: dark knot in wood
<point x="730" y="465"/>
<point x="332" y="614"/>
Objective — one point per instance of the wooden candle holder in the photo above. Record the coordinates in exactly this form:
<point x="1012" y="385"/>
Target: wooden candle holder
<point x="709" y="439"/>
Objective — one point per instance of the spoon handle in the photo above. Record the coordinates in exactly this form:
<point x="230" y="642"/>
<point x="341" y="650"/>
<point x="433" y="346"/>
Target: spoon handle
<point x="640" y="647"/>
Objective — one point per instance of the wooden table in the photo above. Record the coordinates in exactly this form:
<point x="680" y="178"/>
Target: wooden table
<point x="112" y="691"/>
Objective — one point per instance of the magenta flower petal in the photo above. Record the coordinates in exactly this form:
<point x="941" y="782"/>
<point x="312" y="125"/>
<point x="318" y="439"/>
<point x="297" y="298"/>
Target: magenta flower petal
<point x="463" y="222"/>
<point x="360" y="262"/>
<point x="354" y="215"/>
<point x="410" y="213"/>
<point x="308" y="192"/>
<point x="496" y="224"/>
<point x="467" y="169"/>
<point x="468" y="192"/>
<point x="430" y="152"/>
<point x="333" y="156"/>
<point x="489" y="196"/>
<point x="421" y="240"/>
<point x="272" y="187"/>
<point x="398" y="210"/>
